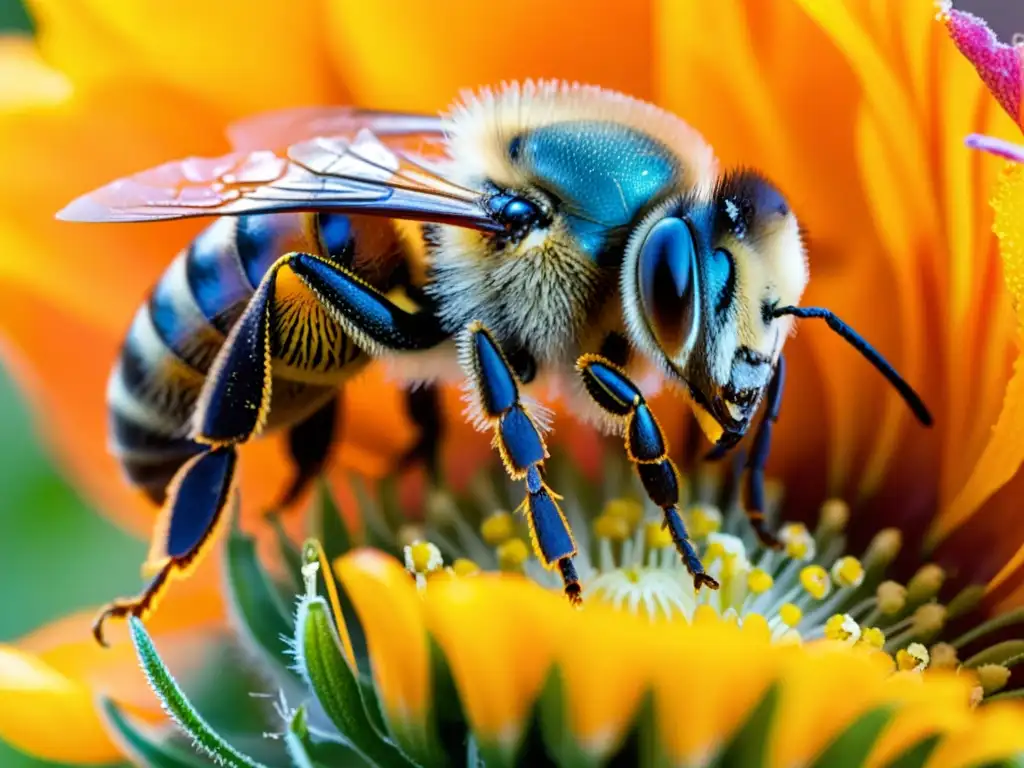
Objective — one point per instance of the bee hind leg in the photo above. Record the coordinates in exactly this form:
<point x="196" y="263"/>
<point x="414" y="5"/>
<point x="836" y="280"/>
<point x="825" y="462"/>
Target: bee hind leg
<point x="647" y="449"/>
<point x="187" y="523"/>
<point x="520" y="443"/>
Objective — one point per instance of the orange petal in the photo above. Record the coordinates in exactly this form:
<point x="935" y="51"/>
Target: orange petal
<point x="484" y="44"/>
<point x="392" y="617"/>
<point x="52" y="677"/>
<point x="1004" y="452"/>
<point x="236" y="56"/>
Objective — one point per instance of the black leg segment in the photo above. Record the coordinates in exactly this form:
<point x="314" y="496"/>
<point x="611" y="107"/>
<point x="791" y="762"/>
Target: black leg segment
<point x="647" y="448"/>
<point x="309" y="445"/>
<point x="759" y="456"/>
<point x="522" y="449"/>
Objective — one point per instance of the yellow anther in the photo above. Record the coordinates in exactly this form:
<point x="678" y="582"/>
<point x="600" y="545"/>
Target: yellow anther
<point x="612" y="527"/>
<point x="913" y="658"/>
<point x="992" y="677"/>
<point x="759" y="581"/>
<point x="790" y="614"/>
<point x="422" y="557"/>
<point x="848" y="572"/>
<point x="944" y="656"/>
<point x="892" y="597"/>
<point x="816" y="581"/>
<point x="835" y="514"/>
<point x="929" y="619"/>
<point x="703" y="520"/>
<point x="798" y="541"/>
<point x="408" y="534"/>
<point x="498" y="528"/>
<point x="512" y="555"/>
<point x="441" y="507"/>
<point x="884" y="547"/>
<point x="843" y="628"/>
<point x="463" y="566"/>
<point x="730" y="550"/>
<point x="656" y="536"/>
<point x="873" y="637"/>
<point x="630" y="510"/>
<point x="926" y="583"/>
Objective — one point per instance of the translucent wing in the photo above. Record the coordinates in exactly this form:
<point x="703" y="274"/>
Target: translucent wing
<point x="349" y="167"/>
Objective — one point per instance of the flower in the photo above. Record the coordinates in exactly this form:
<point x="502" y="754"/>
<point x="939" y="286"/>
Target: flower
<point x="873" y="162"/>
<point x="423" y="662"/>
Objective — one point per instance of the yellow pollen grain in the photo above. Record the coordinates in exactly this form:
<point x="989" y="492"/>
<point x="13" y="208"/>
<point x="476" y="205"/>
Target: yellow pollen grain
<point x="422" y="557"/>
<point x="629" y="510"/>
<point x="498" y="528"/>
<point x="512" y="555"/>
<point x="463" y="566"/>
<point x="816" y="581"/>
<point x="759" y="581"/>
<point x="873" y="637"/>
<point x="703" y="520"/>
<point x="612" y="527"/>
<point x="797" y="541"/>
<point x="892" y="597"/>
<point x="656" y="536"/>
<point x="848" y="572"/>
<point x="790" y="614"/>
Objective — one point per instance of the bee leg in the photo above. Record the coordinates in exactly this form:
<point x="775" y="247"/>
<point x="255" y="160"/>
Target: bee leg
<point x="521" y="446"/>
<point x="187" y="523"/>
<point x="647" y="448"/>
<point x="759" y="456"/>
<point x="424" y="409"/>
<point x="309" y="445"/>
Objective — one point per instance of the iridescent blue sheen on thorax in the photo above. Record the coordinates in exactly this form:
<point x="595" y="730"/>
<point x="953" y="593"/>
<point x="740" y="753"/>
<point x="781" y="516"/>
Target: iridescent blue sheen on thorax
<point x="606" y="175"/>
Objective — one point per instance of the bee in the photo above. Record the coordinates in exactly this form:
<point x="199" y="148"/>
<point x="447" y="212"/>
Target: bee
<point x="564" y="233"/>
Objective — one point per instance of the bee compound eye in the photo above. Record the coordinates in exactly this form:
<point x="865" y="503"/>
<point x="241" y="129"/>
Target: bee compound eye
<point x="667" y="281"/>
<point x="520" y="213"/>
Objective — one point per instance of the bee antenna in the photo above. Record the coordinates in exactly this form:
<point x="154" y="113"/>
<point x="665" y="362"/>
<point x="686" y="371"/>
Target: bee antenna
<point x="861" y="344"/>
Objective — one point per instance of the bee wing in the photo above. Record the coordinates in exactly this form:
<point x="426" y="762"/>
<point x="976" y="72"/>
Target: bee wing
<point x="357" y="171"/>
<point x="291" y="126"/>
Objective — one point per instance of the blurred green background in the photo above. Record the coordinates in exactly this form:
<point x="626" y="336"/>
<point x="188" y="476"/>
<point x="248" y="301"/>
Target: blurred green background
<point x="55" y="554"/>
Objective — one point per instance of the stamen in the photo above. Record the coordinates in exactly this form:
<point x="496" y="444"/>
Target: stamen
<point x="759" y="581"/>
<point x="884" y="548"/>
<point x="914" y="658"/>
<point x="992" y="677"/>
<point x="463" y="566"/>
<point x="873" y="637"/>
<point x="834" y="515"/>
<point x="656" y="535"/>
<point x="498" y="528"/>
<point x="702" y="520"/>
<point x="843" y="628"/>
<point x="848" y="572"/>
<point x="798" y="542"/>
<point x="630" y="511"/>
<point x="512" y="555"/>
<point x="925" y="584"/>
<point x="815" y="580"/>
<point x="612" y="527"/>
<point x="892" y="597"/>
<point x="944" y="656"/>
<point x="790" y="614"/>
<point x="422" y="557"/>
<point x="929" y="620"/>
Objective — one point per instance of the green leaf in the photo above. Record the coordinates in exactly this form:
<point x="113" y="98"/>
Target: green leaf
<point x="917" y="756"/>
<point x="256" y="602"/>
<point x="178" y="707"/>
<point x="850" y="749"/>
<point x="142" y="745"/>
<point x="333" y="682"/>
<point x="295" y="740"/>
<point x="749" y="746"/>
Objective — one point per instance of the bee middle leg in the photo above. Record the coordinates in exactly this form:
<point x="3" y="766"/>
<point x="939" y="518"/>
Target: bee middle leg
<point x="521" y="446"/>
<point x="759" y="457"/>
<point x="309" y="447"/>
<point x="647" y="449"/>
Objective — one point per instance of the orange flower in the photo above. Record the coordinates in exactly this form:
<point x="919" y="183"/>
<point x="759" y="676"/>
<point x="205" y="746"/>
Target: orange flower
<point x="867" y="143"/>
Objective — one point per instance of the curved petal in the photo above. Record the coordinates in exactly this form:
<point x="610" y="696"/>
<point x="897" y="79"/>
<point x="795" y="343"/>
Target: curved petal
<point x="52" y="677"/>
<point x="425" y="61"/>
<point x="237" y="56"/>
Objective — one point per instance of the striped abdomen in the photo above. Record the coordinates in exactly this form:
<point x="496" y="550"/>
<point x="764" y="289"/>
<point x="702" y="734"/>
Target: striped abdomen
<point x="178" y="332"/>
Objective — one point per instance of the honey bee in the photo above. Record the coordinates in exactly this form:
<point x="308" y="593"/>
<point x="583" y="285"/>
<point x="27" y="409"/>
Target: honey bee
<point x="566" y="232"/>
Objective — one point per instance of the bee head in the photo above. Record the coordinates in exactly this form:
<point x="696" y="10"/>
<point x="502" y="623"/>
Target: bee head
<point x="700" y="281"/>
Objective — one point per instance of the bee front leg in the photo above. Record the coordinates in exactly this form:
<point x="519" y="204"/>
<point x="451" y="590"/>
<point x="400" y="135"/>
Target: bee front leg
<point x="647" y="448"/>
<point x="759" y="457"/>
<point x="521" y="446"/>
